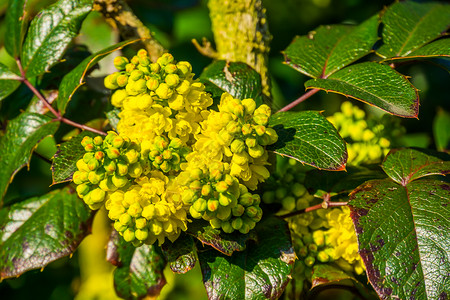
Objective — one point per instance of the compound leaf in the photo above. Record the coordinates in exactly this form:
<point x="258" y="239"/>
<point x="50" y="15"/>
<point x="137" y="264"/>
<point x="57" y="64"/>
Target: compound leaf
<point x="21" y="137"/>
<point x="16" y="23"/>
<point x="260" y="272"/>
<point x="375" y="84"/>
<point x="310" y="138"/>
<point x="9" y="81"/>
<point x="50" y="33"/>
<point x="40" y="230"/>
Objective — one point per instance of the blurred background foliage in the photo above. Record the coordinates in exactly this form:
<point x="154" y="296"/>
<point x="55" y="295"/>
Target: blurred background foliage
<point x="175" y="23"/>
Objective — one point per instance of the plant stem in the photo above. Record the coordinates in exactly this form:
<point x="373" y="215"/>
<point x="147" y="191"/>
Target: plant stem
<point x="299" y="100"/>
<point x="42" y="98"/>
<point x="325" y="204"/>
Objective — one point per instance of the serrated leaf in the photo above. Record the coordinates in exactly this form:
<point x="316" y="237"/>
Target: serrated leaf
<point x="73" y="80"/>
<point x="21" y="137"/>
<point x="40" y="230"/>
<point x="139" y="271"/>
<point x="404" y="166"/>
<point x="439" y="48"/>
<point x="375" y="84"/>
<point x="260" y="272"/>
<point x="408" y="25"/>
<point x="441" y="124"/>
<point x="9" y="81"/>
<point x="181" y="254"/>
<point x="113" y="117"/>
<point x="310" y="138"/>
<point x="65" y="159"/>
<point x="225" y="243"/>
<point x="236" y="78"/>
<point x="50" y="33"/>
<point x="403" y="237"/>
<point x="328" y="49"/>
<point x="16" y="23"/>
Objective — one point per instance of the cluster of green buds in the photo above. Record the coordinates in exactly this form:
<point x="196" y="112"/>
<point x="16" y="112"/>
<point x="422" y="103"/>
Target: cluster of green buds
<point x="368" y="139"/>
<point x="107" y="165"/>
<point x="163" y="80"/>
<point x="164" y="154"/>
<point x="219" y="198"/>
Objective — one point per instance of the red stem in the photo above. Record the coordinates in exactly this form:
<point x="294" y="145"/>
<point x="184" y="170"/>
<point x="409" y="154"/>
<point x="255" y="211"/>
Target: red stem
<point x="49" y="106"/>
<point x="299" y="100"/>
<point x="324" y="204"/>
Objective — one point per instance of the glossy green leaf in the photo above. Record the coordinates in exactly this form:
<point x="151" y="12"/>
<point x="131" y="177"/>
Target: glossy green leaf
<point x="73" y="80"/>
<point x="404" y="166"/>
<point x="260" y="272"/>
<point x="65" y="159"/>
<point x="408" y="25"/>
<point x="40" y="230"/>
<point x="403" y="237"/>
<point x="139" y="271"/>
<point x="330" y="48"/>
<point x="16" y="23"/>
<point x="441" y="134"/>
<point x="181" y="254"/>
<point x="9" y="81"/>
<point x="226" y="243"/>
<point x="326" y="276"/>
<point x="439" y="48"/>
<point x="21" y="137"/>
<point x="50" y="33"/>
<point x="236" y="78"/>
<point x="375" y="84"/>
<point x="308" y="137"/>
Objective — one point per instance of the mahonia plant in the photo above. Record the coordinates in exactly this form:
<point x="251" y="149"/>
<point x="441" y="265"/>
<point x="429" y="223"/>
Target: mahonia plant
<point x="173" y="157"/>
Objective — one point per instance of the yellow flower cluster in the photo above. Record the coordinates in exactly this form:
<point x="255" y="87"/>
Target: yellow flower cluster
<point x="369" y="140"/>
<point x="178" y="157"/>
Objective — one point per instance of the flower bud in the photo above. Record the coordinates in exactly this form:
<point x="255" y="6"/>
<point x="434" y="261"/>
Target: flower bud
<point x="249" y="105"/>
<point x="165" y="59"/>
<point x="237" y="223"/>
<point x="237" y="146"/>
<point x="97" y="195"/>
<point x="212" y="205"/>
<point x="120" y="62"/>
<point x="163" y="91"/>
<point x="118" y="97"/>
<point x="128" y="235"/>
<point x="200" y="205"/>
<point x="122" y="80"/>
<point x="141" y="234"/>
<point x="170" y="69"/>
<point x="82" y="189"/>
<point x="152" y="83"/>
<point x="183" y="87"/>
<point x="79" y="177"/>
<point x="110" y="81"/>
<point x="172" y="80"/>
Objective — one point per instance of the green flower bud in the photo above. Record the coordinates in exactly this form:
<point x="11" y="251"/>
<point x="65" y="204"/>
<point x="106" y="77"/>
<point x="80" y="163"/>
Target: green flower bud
<point x="237" y="223"/>
<point x="200" y="205"/>
<point x="82" y="166"/>
<point x="79" y="177"/>
<point x="322" y="256"/>
<point x="215" y="223"/>
<point x="247" y="129"/>
<point x="107" y="185"/>
<point x="136" y="75"/>
<point x="120" y="62"/>
<point x="95" y="177"/>
<point x="183" y="87"/>
<point x="125" y="219"/>
<point x="221" y="186"/>
<point x="237" y="146"/>
<point x="122" y="168"/>
<point x="269" y="197"/>
<point x="223" y="213"/>
<point x="184" y="68"/>
<point x="110" y="81"/>
<point x="142" y="53"/>
<point x="135" y="170"/>
<point x="172" y="80"/>
<point x="128" y="235"/>
<point x="280" y="193"/>
<point x="98" y="140"/>
<point x="256" y="151"/>
<point x="131" y="156"/>
<point x="288" y="203"/>
<point x="122" y="80"/>
<point x="140" y="86"/>
<point x="249" y="105"/>
<point x="119" y="181"/>
<point x="261" y="119"/>
<point x="152" y="83"/>
<point x="226" y="227"/>
<point x="260" y="130"/>
<point x="246" y="199"/>
<point x="244" y="229"/>
<point x="195" y="214"/>
<point x="238" y="210"/>
<point x="263" y="109"/>
<point x="97" y="195"/>
<point x="188" y="196"/>
<point x="165" y="59"/>
<point x="141" y="223"/>
<point x="163" y="91"/>
<point x="118" y="97"/>
<point x="225" y="199"/>
<point x="170" y="69"/>
<point x="303" y="251"/>
<point x="206" y="190"/>
<point x="312" y="248"/>
<point x="212" y="205"/>
<point x="129" y="68"/>
<point x="251" y="142"/>
<point x="119" y="227"/>
<point x="82" y="189"/>
<point x="135" y="60"/>
<point x="309" y="261"/>
<point x="86" y="140"/>
<point x="135" y="210"/>
<point x="144" y="61"/>
<point x="141" y="234"/>
<point x="251" y="211"/>
<point x="155" y="68"/>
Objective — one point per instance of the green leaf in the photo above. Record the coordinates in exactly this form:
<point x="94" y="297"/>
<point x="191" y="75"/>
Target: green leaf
<point x="308" y="137"/>
<point x="16" y="23"/>
<point x="65" y="159"/>
<point x="441" y="124"/>
<point x="113" y="117"/>
<point x="9" y="81"/>
<point x="181" y="254"/>
<point x="139" y="271"/>
<point x="403" y="237"/>
<point x="73" y="80"/>
<point x="404" y="166"/>
<point x="262" y="271"/>
<point x="439" y="48"/>
<point x="16" y="146"/>
<point x="40" y="230"/>
<point x="408" y="25"/>
<point x="50" y="33"/>
<point x="236" y="78"/>
<point x="326" y="276"/>
<point x="225" y="243"/>
<point x="328" y="49"/>
<point x="375" y="84"/>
